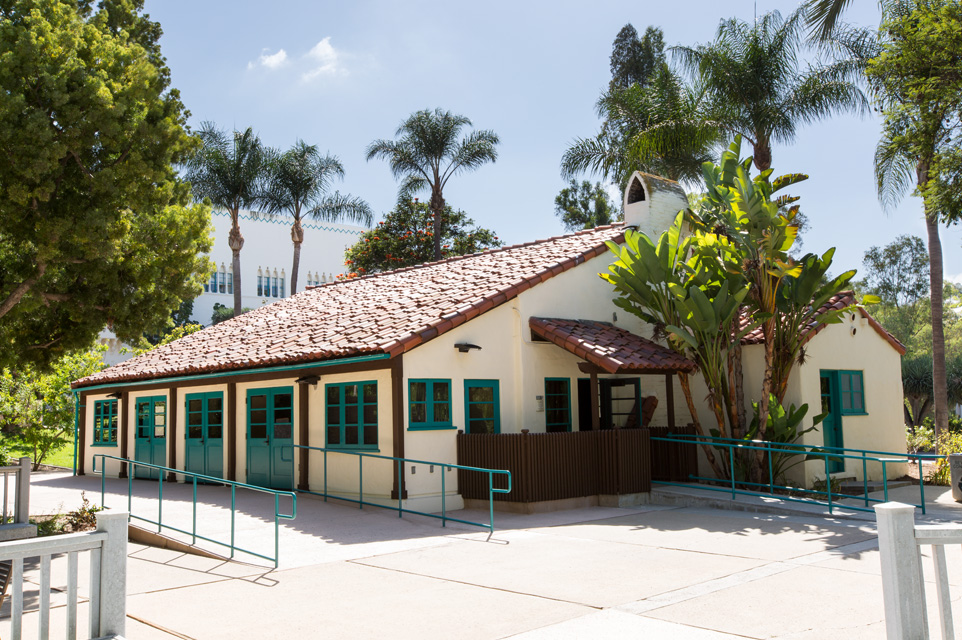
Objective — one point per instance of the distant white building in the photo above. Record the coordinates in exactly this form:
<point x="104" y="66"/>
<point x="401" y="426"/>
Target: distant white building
<point x="266" y="261"/>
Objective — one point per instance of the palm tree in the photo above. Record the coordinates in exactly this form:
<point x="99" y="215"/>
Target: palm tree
<point x="664" y="127"/>
<point x="823" y="16"/>
<point x="229" y="170"/>
<point x="297" y="183"/>
<point x="427" y="152"/>
<point x="753" y="77"/>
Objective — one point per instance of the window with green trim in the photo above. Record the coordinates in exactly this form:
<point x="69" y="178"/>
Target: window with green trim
<point x="105" y="423"/>
<point x="852" y="392"/>
<point x="352" y="415"/>
<point x="482" y="406"/>
<point x="429" y="404"/>
<point x="557" y="401"/>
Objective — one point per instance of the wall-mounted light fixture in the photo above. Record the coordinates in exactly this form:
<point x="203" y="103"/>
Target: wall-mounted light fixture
<point x="115" y="394"/>
<point x="464" y="347"/>
<point x="313" y="380"/>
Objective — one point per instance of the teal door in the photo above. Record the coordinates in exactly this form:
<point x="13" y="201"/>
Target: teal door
<point x="270" y="434"/>
<point x="205" y="433"/>
<point x="150" y="444"/>
<point x="482" y="406"/>
<point x="832" y="425"/>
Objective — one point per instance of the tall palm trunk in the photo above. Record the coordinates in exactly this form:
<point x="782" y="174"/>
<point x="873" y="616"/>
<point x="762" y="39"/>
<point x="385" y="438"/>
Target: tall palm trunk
<point x="762" y="153"/>
<point x="236" y="242"/>
<point x="297" y="237"/>
<point x="939" y="380"/>
<point x="685" y="383"/>
<point x="437" y="208"/>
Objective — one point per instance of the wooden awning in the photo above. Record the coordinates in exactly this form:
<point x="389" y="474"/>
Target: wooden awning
<point x="613" y="349"/>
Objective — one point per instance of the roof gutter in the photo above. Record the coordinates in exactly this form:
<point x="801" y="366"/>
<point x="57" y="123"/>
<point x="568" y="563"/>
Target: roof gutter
<point x="236" y="372"/>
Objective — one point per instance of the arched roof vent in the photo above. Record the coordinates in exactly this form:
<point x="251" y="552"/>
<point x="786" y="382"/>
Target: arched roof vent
<point x="651" y="203"/>
<point x="636" y="192"/>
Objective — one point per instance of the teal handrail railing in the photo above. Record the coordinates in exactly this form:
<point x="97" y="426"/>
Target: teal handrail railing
<point x="234" y="486"/>
<point x="401" y="510"/>
<point x="827" y="454"/>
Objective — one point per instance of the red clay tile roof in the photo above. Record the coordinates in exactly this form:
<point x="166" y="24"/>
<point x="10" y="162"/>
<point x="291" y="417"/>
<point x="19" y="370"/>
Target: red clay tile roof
<point x="614" y="350"/>
<point x="386" y="313"/>
<point x="840" y="301"/>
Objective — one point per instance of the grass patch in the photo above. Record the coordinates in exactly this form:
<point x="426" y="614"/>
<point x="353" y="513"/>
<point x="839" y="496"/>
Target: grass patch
<point x="62" y="457"/>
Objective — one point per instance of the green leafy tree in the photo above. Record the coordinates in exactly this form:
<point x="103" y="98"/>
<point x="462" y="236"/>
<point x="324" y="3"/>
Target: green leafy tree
<point x="898" y="274"/>
<point x="222" y="313"/>
<point x="758" y="89"/>
<point x="635" y="60"/>
<point x="585" y="206"/>
<point x="918" y="83"/>
<point x="229" y="170"/>
<point x="406" y="237"/>
<point x="95" y="227"/>
<point x="428" y="151"/>
<point x="37" y="409"/>
<point x="298" y="183"/>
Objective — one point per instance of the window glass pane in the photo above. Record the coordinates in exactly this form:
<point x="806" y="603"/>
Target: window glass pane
<point x="333" y="415"/>
<point x="370" y="414"/>
<point x="857" y="401"/>
<point x="333" y="435"/>
<point x="418" y="413"/>
<point x="845" y="379"/>
<point x="442" y="413"/>
<point x="370" y="393"/>
<point x="856" y="382"/>
<point x="350" y="434"/>
<point x="442" y="391"/>
<point x="350" y="394"/>
<point x="370" y="435"/>
<point x="350" y="414"/>
<point x="419" y="391"/>
<point x="481" y="394"/>
<point x="846" y="401"/>
<point x="333" y="395"/>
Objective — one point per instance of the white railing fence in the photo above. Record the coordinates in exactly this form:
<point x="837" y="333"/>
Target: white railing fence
<point x="108" y="576"/>
<point x="19" y="511"/>
<point x="903" y="587"/>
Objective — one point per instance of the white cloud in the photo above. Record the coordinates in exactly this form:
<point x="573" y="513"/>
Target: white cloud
<point x="324" y="60"/>
<point x="270" y="60"/>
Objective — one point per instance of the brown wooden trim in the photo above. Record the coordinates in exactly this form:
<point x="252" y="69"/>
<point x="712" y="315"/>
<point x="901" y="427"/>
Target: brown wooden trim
<point x="670" y="399"/>
<point x="304" y="434"/>
<point x="397" y="411"/>
<point x="595" y="408"/>
<point x="231" y="431"/>
<point x="172" y="432"/>
<point x="123" y="432"/>
<point x="587" y="367"/>
<point x="82" y="434"/>
<point x="373" y="365"/>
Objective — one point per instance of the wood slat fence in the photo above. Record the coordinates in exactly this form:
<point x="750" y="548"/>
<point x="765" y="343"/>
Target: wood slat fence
<point x="557" y="466"/>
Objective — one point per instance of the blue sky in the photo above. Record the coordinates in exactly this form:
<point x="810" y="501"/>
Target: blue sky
<point x="341" y="74"/>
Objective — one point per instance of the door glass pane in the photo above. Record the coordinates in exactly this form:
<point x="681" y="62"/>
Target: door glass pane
<point x="160" y="407"/>
<point x="555" y="386"/>
<point x="826" y="387"/>
<point x="195" y="404"/>
<point x="485" y="411"/>
<point x="259" y="431"/>
<point x="283" y="415"/>
<point x="195" y="419"/>
<point x="215" y="418"/>
<point x="482" y="426"/>
<point x="159" y="420"/>
<point x="259" y="416"/>
<point x="557" y="402"/>
<point x="283" y="400"/>
<point x="826" y="404"/>
<point x="259" y="402"/>
<point x="481" y="394"/>
<point x="282" y="430"/>
<point x="215" y="431"/>
<point x="159" y="432"/>
<point x="419" y="391"/>
<point x="215" y="404"/>
<point x="195" y="432"/>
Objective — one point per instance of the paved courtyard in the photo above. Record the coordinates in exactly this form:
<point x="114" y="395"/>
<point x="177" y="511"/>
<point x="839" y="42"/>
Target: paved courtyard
<point x="653" y="571"/>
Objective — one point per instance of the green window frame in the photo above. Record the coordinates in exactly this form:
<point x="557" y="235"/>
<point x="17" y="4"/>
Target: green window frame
<point x="351" y="415"/>
<point x="479" y="408"/>
<point x="105" y="423"/>
<point x="851" y="387"/>
<point x="557" y="405"/>
<point x="205" y="415"/>
<point x="429" y="404"/>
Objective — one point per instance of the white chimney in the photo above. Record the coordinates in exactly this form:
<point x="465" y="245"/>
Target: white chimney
<point x="652" y="203"/>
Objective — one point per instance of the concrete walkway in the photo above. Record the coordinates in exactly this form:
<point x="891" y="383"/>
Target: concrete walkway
<point x="653" y="572"/>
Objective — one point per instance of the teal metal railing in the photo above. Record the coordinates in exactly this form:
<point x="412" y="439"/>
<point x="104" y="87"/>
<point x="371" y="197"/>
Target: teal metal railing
<point x="810" y="452"/>
<point x="399" y="463"/>
<point x="234" y="486"/>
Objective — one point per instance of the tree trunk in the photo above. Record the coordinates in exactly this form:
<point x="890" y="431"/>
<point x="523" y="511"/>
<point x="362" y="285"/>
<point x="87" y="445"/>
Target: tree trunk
<point x="685" y="383"/>
<point x="437" y="208"/>
<point x="297" y="237"/>
<point x="762" y="154"/>
<point x="737" y="382"/>
<point x="940" y="389"/>
<point x="236" y="242"/>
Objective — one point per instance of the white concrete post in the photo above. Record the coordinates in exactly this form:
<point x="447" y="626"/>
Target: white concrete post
<point x="23" y="492"/>
<point x="113" y="574"/>
<point x="902" y="585"/>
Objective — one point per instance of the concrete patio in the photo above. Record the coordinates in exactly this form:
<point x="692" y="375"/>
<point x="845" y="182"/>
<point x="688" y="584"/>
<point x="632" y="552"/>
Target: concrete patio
<point x="654" y="571"/>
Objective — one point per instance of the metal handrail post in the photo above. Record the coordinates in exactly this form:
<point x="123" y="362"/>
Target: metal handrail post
<point x="194" y="507"/>
<point x="885" y="482"/>
<point x="360" y="479"/>
<point x="325" y="475"/>
<point x="277" y="531"/>
<point x="444" y="510"/>
<point x="103" y="480"/>
<point x="399" y="470"/>
<point x="160" y="500"/>
<point x="864" y="479"/>
<point x="731" y="460"/>
<point x="130" y="490"/>
<point x="921" y="486"/>
<point x="490" y="504"/>
<point x="828" y="482"/>
<point x="233" y="504"/>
